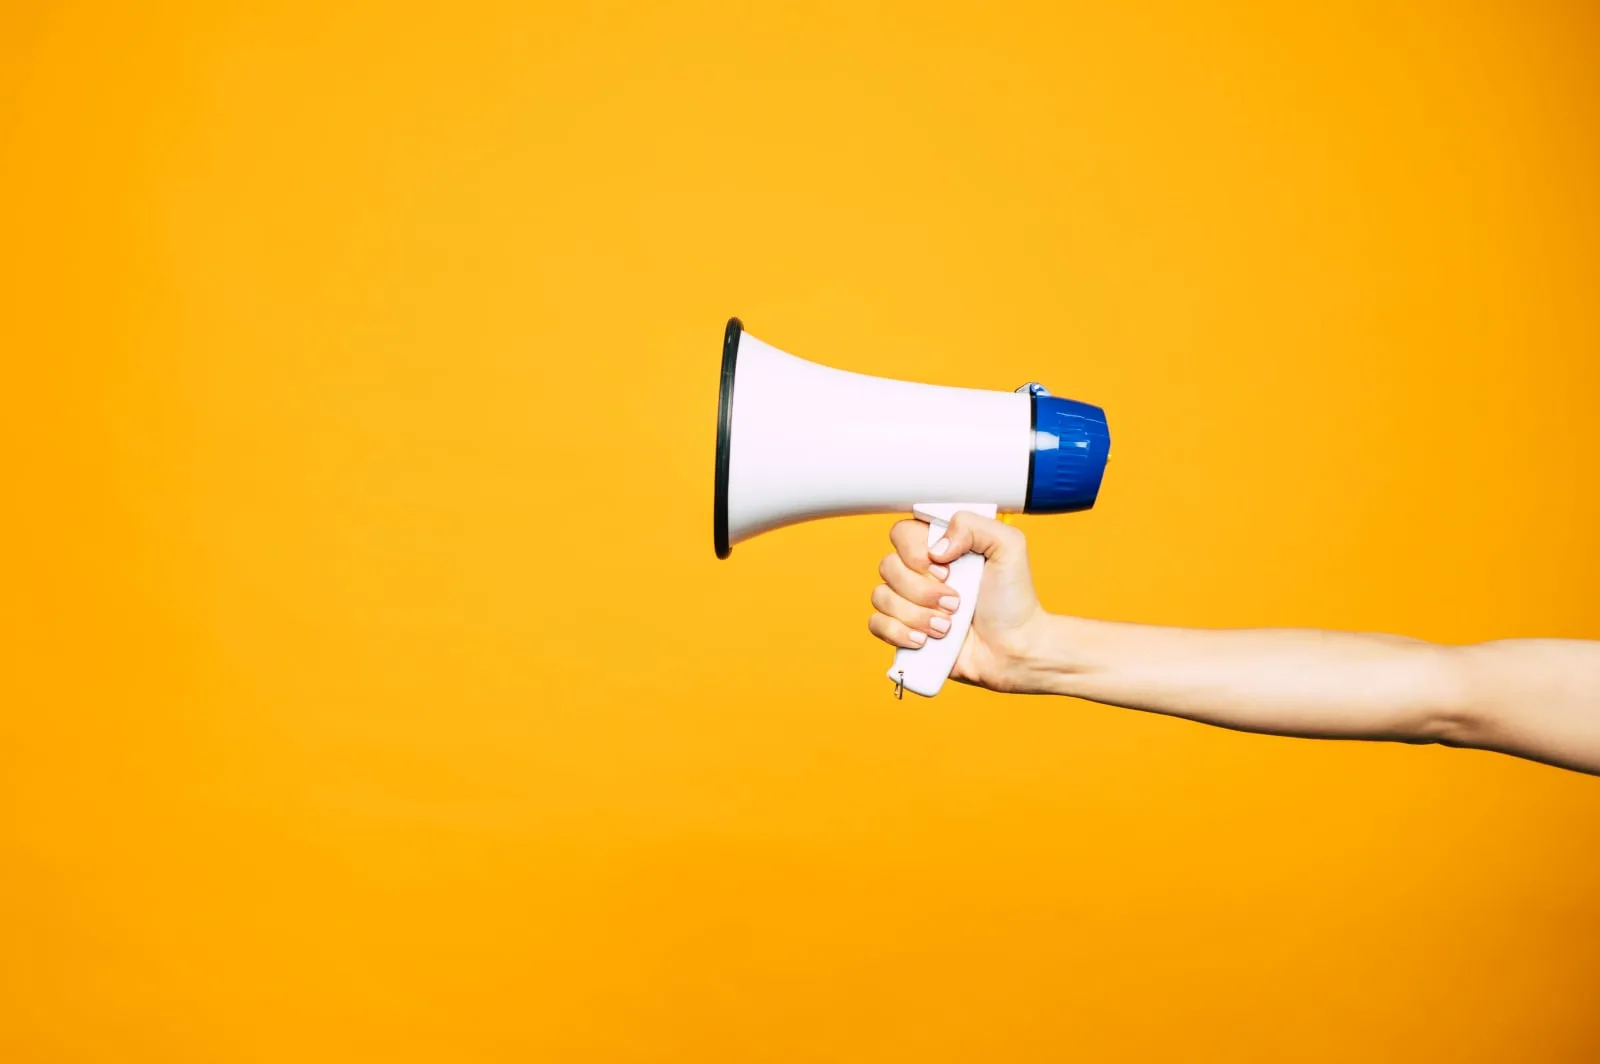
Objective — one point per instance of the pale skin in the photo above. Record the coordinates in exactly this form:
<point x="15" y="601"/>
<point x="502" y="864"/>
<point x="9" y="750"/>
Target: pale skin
<point x="1537" y="699"/>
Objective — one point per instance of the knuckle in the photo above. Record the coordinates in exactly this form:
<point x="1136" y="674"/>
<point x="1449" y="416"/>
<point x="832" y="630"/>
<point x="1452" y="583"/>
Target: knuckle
<point x="915" y="615"/>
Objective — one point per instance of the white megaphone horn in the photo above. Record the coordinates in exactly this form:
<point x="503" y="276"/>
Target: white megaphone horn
<point x="797" y="441"/>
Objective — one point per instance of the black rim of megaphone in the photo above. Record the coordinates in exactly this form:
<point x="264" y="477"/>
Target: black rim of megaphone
<point x="730" y="359"/>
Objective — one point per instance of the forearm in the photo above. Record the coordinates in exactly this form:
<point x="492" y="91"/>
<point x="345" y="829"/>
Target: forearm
<point x="1300" y="682"/>
<point x="1532" y="698"/>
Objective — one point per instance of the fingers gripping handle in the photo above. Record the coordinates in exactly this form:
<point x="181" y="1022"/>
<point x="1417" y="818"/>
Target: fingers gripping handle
<point x="923" y="670"/>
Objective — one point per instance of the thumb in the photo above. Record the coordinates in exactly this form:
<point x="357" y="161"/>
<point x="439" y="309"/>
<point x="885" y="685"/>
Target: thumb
<point x="995" y="540"/>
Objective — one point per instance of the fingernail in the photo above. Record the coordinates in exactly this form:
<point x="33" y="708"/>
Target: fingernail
<point x="919" y="638"/>
<point x="940" y="547"/>
<point x="939" y="624"/>
<point x="939" y="572"/>
<point x="950" y="602"/>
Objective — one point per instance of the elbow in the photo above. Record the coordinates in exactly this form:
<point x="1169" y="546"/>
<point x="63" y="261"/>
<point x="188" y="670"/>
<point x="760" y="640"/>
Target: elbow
<point x="1450" y="715"/>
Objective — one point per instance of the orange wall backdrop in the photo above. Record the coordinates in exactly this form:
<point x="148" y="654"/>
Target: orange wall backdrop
<point x="371" y="690"/>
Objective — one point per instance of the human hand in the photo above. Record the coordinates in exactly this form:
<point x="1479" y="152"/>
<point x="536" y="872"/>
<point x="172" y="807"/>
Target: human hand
<point x="914" y="604"/>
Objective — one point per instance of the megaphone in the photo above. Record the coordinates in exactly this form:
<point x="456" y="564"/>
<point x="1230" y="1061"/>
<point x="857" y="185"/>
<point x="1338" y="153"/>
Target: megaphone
<point x="798" y="441"/>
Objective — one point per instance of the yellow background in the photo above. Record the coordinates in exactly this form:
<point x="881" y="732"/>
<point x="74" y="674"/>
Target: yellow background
<point x="371" y="691"/>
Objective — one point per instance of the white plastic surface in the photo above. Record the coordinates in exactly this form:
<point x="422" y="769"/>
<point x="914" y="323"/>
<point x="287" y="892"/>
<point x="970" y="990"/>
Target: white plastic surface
<point x="809" y="441"/>
<point x="923" y="670"/>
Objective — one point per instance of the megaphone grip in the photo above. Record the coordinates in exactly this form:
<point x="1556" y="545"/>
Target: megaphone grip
<point x="923" y="670"/>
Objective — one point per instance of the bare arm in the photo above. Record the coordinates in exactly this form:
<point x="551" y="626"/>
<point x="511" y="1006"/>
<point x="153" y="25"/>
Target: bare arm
<point x="1533" y="698"/>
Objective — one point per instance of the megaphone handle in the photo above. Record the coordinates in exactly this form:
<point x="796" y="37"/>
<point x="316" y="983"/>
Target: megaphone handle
<point x="923" y="670"/>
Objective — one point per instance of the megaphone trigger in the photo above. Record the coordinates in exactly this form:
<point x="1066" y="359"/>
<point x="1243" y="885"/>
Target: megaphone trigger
<point x="923" y="670"/>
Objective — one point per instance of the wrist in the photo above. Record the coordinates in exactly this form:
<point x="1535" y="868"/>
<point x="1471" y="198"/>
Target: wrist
<point x="1049" y="656"/>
